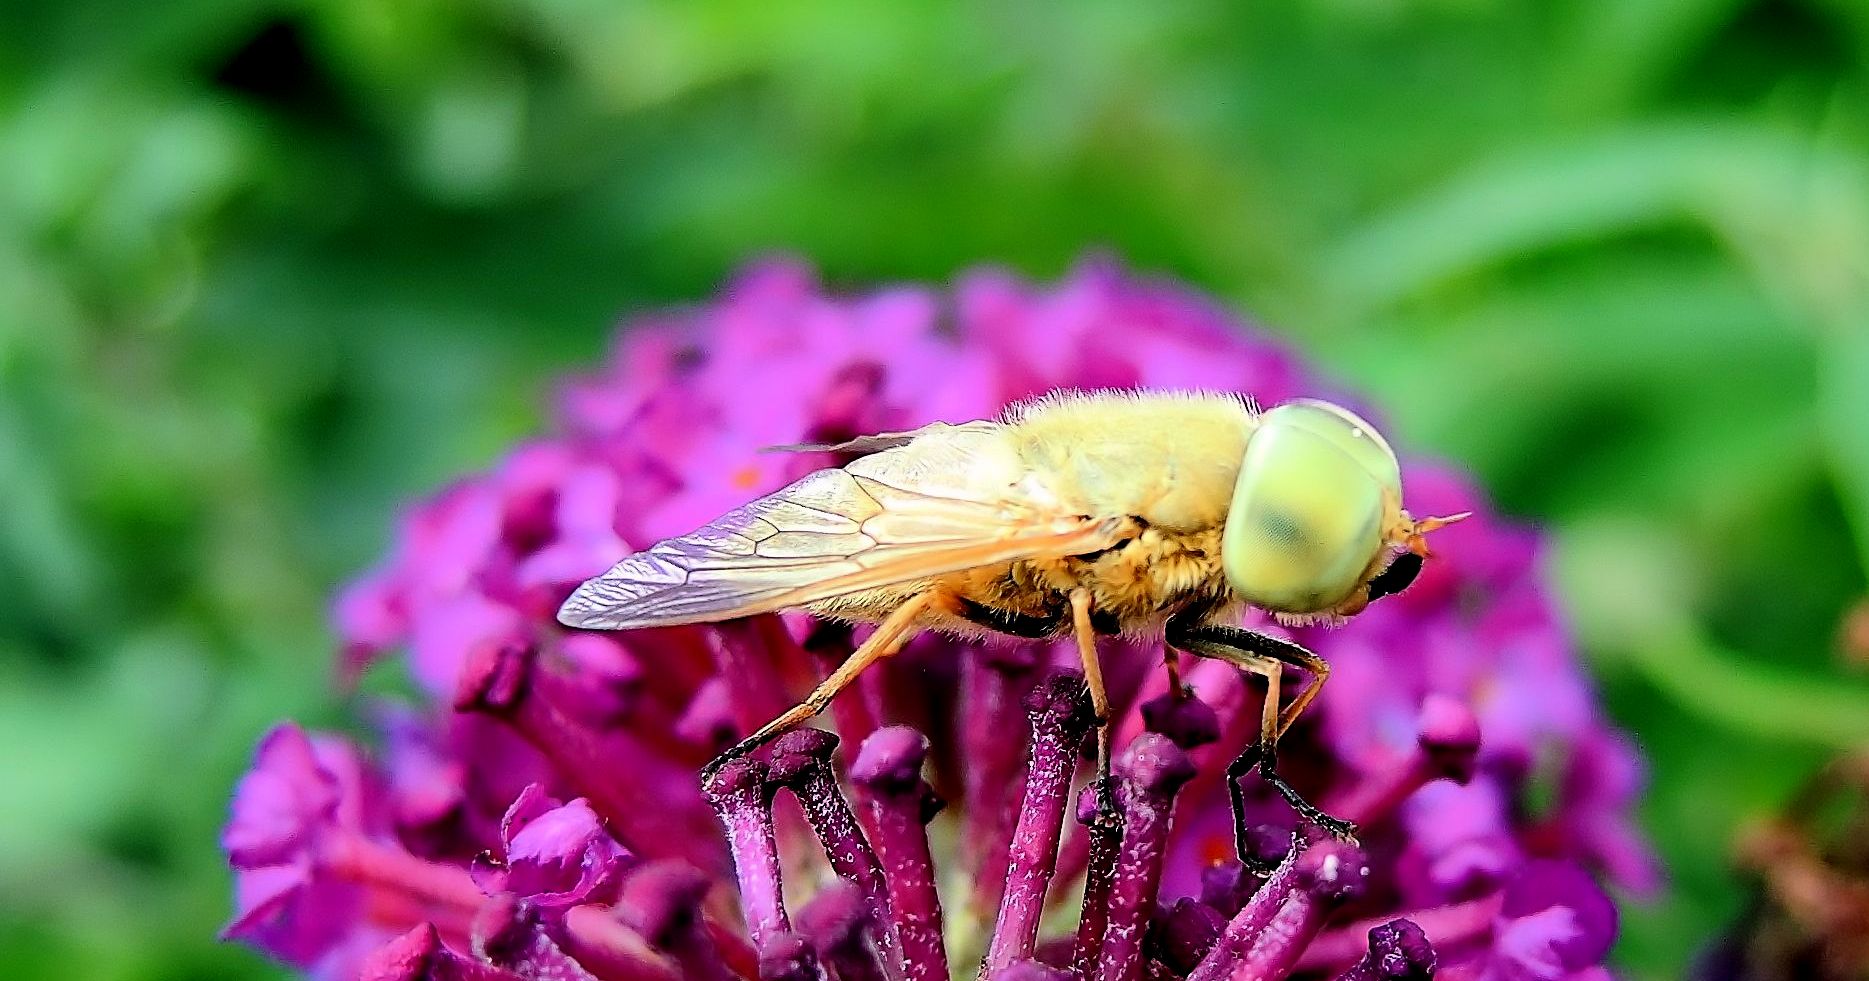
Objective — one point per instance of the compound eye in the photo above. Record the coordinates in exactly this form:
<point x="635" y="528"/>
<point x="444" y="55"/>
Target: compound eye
<point x="1306" y="518"/>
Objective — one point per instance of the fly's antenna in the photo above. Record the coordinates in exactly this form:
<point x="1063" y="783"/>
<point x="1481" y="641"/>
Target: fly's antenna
<point x="1414" y="533"/>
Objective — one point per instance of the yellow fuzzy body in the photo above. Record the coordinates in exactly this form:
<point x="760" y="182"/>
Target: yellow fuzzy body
<point x="1167" y="460"/>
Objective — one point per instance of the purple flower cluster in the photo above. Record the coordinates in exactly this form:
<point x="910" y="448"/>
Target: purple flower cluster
<point x="542" y="816"/>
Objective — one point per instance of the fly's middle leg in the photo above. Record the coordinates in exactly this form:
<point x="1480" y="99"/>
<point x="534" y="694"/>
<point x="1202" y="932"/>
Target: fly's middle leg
<point x="1083" y="628"/>
<point x="1085" y="623"/>
<point x="1265" y="656"/>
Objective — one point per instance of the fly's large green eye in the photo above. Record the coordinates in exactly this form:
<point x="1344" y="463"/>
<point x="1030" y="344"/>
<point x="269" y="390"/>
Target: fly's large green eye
<point x="1307" y="512"/>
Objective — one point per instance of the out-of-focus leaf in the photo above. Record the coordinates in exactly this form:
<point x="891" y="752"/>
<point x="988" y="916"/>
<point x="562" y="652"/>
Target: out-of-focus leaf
<point x="41" y="545"/>
<point x="1774" y="197"/>
<point x="1744" y="694"/>
<point x="1844" y="403"/>
<point x="1631" y="590"/>
<point x="1620" y="49"/>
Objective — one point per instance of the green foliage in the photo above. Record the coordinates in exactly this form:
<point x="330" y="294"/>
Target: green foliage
<point x="265" y="269"/>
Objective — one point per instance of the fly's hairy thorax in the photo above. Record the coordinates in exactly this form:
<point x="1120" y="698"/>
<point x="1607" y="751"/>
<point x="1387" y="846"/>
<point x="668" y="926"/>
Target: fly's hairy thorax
<point x="1169" y="459"/>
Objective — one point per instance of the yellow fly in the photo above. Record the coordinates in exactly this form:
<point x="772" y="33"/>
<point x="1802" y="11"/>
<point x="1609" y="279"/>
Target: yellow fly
<point x="1144" y="513"/>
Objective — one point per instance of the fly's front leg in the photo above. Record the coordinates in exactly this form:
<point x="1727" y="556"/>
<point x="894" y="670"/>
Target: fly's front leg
<point x="1265" y="656"/>
<point x="1259" y="753"/>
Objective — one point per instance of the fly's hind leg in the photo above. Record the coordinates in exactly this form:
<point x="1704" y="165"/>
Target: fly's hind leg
<point x="1264" y="656"/>
<point x="890" y="636"/>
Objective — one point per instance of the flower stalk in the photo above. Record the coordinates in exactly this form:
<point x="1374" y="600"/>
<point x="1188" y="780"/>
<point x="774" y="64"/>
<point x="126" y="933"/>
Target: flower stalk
<point x="1061" y="717"/>
<point x="888" y="773"/>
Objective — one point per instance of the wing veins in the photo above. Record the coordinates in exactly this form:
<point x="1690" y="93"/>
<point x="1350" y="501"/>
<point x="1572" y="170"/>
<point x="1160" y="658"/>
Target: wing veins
<point x="897" y="516"/>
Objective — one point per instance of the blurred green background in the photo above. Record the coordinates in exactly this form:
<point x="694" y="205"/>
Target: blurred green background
<point x="268" y="268"/>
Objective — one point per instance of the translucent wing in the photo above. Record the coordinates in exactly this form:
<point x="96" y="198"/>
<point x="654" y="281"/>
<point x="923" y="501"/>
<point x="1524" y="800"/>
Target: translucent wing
<point x="949" y="501"/>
